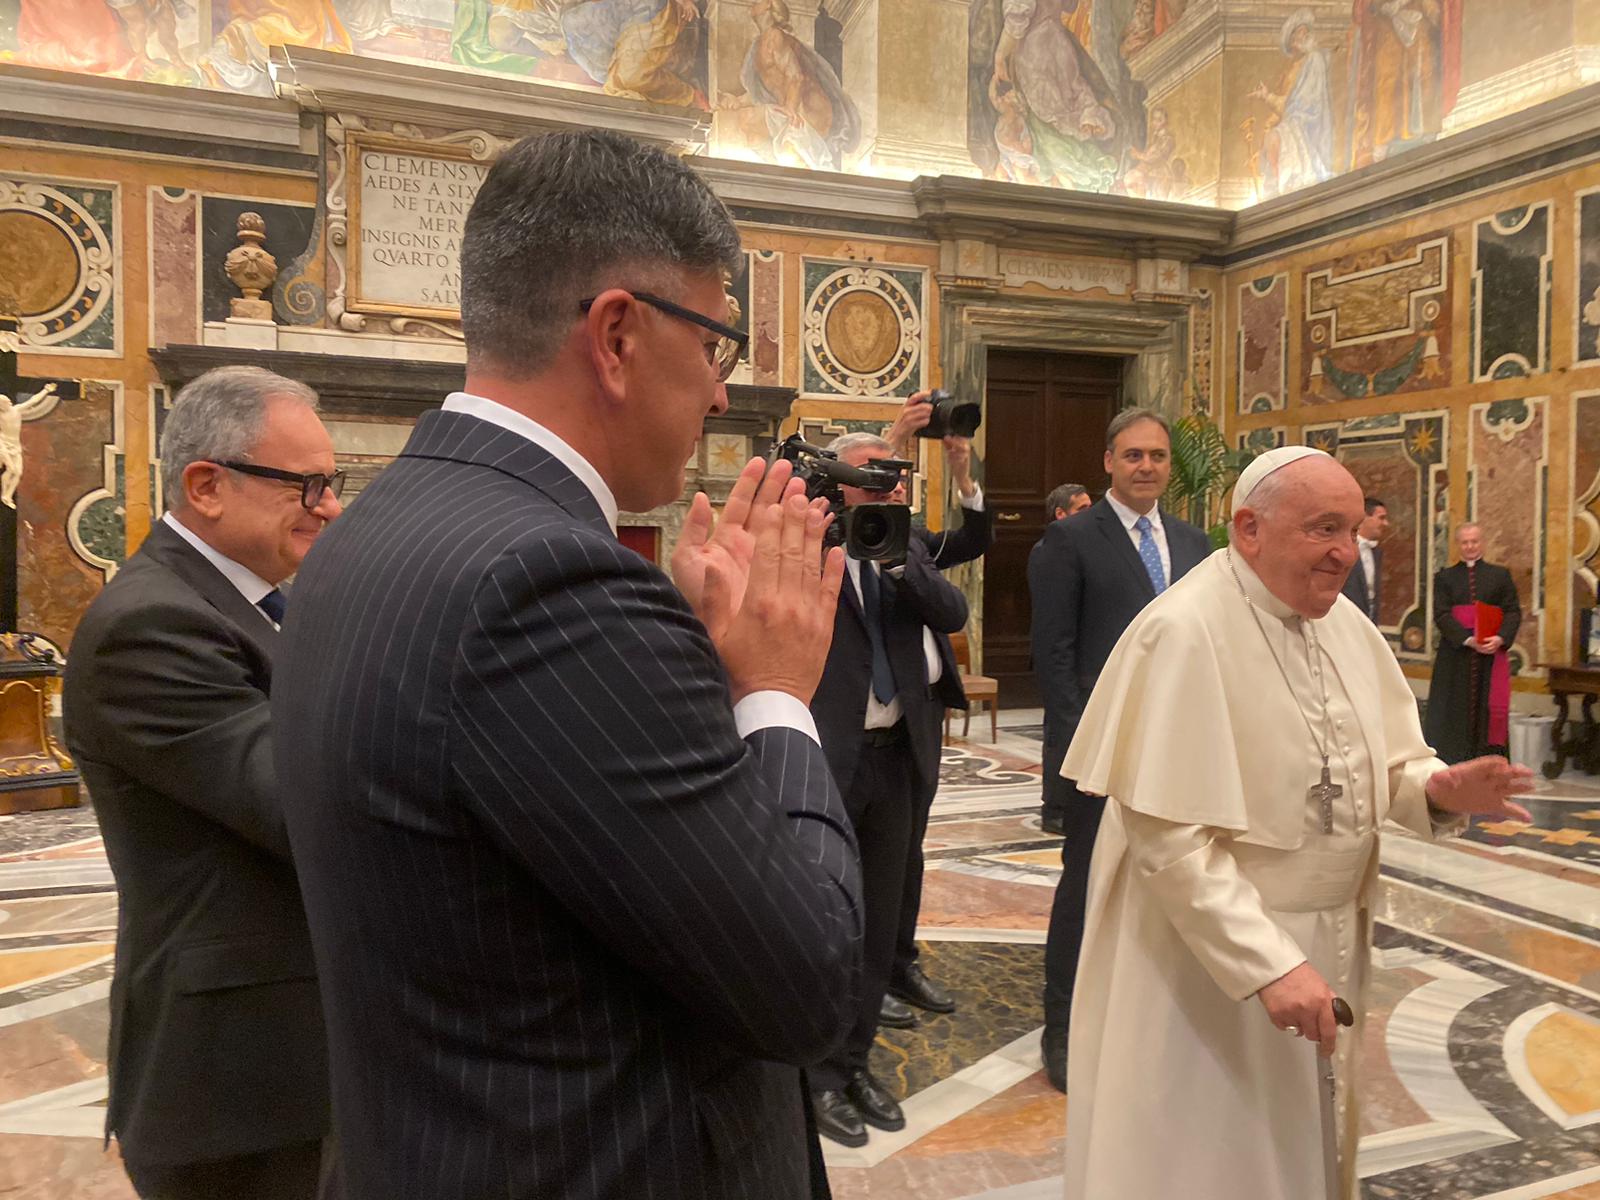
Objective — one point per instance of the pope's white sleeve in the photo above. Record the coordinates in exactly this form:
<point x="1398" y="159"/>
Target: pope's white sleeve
<point x="1215" y="909"/>
<point x="1408" y="800"/>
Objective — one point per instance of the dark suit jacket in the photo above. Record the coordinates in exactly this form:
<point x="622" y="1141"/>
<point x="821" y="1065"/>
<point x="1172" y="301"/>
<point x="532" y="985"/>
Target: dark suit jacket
<point x="1087" y="584"/>
<point x="217" y="1044"/>
<point x="918" y="597"/>
<point x="1355" y="584"/>
<point x="571" y="926"/>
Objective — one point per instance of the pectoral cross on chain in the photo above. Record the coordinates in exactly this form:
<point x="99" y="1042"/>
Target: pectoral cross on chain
<point x="1323" y="793"/>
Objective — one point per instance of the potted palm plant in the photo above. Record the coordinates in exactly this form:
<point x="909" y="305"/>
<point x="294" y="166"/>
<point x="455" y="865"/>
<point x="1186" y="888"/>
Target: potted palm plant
<point x="1203" y="469"/>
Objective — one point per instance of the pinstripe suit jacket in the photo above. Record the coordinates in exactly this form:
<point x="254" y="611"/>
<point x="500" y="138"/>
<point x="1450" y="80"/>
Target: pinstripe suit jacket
<point x="572" y="927"/>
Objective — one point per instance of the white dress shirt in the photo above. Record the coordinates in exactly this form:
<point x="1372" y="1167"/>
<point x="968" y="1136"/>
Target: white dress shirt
<point x="884" y="716"/>
<point x="1129" y="519"/>
<point x="250" y="585"/>
<point x="758" y="710"/>
<point x="1368" y="567"/>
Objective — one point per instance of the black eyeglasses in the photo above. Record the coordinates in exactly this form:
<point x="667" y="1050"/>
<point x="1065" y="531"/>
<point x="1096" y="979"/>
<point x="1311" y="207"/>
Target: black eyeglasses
<point x="311" y="486"/>
<point x="731" y="342"/>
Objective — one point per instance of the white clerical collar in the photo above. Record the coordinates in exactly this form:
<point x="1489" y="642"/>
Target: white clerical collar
<point x="250" y="585"/>
<point x="507" y="418"/>
<point x="1257" y="592"/>
<point x="1128" y="517"/>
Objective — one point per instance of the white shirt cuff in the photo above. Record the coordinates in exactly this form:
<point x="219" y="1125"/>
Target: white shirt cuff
<point x="763" y="710"/>
<point x="975" y="502"/>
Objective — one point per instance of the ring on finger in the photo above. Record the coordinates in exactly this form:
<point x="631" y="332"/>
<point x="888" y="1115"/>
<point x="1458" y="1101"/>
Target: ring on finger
<point x="1292" y="1030"/>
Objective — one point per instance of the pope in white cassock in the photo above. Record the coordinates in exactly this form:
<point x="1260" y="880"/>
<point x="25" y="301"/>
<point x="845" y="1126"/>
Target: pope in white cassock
<point x="1254" y="731"/>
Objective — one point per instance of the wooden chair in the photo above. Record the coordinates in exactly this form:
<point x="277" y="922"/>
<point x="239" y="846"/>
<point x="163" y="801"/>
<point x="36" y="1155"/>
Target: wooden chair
<point x="977" y="687"/>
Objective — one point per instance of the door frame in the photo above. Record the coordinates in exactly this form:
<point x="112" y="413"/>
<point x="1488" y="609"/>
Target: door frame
<point x="1151" y="335"/>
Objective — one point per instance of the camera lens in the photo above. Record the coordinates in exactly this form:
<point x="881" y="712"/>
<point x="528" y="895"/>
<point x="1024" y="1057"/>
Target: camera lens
<point x="873" y="530"/>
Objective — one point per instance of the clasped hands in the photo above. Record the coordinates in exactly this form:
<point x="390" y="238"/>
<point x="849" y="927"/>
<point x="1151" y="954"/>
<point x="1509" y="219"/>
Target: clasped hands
<point x="759" y="581"/>
<point x="1488" y="645"/>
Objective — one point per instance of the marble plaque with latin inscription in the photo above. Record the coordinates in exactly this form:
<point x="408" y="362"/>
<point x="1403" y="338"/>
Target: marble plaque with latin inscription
<point x="1065" y="274"/>
<point x="408" y="208"/>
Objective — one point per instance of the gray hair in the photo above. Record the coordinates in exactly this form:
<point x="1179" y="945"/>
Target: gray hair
<point x="218" y="417"/>
<point x="1466" y="525"/>
<point x="563" y="216"/>
<point x="1061" y="497"/>
<point x="1132" y="416"/>
<point x="847" y="442"/>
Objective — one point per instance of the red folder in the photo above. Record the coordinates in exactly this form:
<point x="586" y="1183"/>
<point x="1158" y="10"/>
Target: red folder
<point x="1488" y="621"/>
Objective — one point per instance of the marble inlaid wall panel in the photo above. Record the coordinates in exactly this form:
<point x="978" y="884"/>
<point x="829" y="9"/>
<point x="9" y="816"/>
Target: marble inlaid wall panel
<point x="759" y="294"/>
<point x="1377" y="322"/>
<point x="1511" y="283"/>
<point x="863" y="329"/>
<point x="64" y="458"/>
<point x="1259" y="441"/>
<point x="60" y="263"/>
<point x="1508" y="444"/>
<point x="1585" y="492"/>
<point x="1262" y="344"/>
<point x="1400" y="459"/>
<point x="174" y="265"/>
<point x="1202" y="338"/>
<point x="1586" y="318"/>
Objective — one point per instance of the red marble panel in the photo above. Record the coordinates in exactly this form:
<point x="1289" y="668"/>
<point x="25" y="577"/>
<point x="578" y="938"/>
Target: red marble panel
<point x="766" y="317"/>
<point x="1508" y="460"/>
<point x="63" y="457"/>
<point x="174" y="267"/>
<point x="1263" y="344"/>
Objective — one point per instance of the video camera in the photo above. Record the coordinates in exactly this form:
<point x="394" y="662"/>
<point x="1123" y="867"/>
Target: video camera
<point x="878" y="532"/>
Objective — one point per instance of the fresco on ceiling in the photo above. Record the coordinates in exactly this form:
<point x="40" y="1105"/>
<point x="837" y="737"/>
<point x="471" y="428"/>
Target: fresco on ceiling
<point x="1096" y="95"/>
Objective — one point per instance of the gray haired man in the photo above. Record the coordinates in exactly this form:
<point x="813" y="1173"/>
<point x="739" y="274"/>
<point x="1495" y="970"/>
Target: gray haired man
<point x="217" y="1057"/>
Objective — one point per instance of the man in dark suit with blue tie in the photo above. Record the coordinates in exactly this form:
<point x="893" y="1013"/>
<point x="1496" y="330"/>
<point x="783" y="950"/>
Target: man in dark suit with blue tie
<point x="1365" y="581"/>
<point x="218" y="1063"/>
<point x="582" y="890"/>
<point x="891" y="673"/>
<point x="1089" y="576"/>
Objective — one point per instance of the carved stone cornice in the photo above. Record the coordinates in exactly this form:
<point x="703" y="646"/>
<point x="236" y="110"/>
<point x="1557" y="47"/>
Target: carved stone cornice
<point x="1208" y="27"/>
<point x="323" y="81"/>
<point x="186" y="114"/>
<point x="1048" y="218"/>
<point x="794" y="189"/>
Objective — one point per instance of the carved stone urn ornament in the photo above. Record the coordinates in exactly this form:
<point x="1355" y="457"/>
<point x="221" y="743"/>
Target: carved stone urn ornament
<point x="251" y="268"/>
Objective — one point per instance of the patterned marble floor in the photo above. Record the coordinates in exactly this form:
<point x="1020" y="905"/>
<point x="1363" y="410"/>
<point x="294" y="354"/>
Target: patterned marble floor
<point x="1482" y="1078"/>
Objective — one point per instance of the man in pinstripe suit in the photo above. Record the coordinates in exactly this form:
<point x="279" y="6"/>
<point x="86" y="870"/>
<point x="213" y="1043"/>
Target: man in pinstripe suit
<point x="581" y="888"/>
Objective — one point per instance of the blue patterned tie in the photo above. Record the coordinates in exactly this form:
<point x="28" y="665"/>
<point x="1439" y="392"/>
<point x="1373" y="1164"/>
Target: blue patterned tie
<point x="1150" y="555"/>
<point x="273" y="604"/>
<point x="882" y="675"/>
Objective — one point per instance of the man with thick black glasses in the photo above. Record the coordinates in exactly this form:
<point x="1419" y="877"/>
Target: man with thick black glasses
<point x="219" y="1079"/>
<point x="583" y="891"/>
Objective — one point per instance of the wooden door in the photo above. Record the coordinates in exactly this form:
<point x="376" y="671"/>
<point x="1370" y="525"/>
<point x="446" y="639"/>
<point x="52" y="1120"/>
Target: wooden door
<point x="1046" y="424"/>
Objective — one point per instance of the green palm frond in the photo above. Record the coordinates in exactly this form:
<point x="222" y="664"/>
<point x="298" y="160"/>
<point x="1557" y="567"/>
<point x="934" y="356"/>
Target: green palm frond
<point x="1201" y="467"/>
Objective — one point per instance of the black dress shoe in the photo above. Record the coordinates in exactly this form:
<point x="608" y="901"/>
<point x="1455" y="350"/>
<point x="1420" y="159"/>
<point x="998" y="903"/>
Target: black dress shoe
<point x="916" y="988"/>
<point x="1053" y="1047"/>
<point x="894" y="1015"/>
<point x="876" y="1106"/>
<point x="1053" y="823"/>
<point x="838" y="1119"/>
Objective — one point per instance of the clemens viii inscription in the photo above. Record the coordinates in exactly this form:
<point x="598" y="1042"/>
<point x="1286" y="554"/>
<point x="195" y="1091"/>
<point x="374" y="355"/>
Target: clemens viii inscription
<point x="408" y="209"/>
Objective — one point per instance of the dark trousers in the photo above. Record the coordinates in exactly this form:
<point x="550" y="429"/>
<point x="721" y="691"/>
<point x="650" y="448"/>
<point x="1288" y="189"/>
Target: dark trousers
<point x="282" y="1173"/>
<point x="1058" y="792"/>
<point x="905" y="944"/>
<point x="880" y="800"/>
<point x="1065" y="939"/>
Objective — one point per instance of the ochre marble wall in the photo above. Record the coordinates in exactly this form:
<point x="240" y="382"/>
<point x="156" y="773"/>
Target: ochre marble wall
<point x="1449" y="358"/>
<point x="78" y="516"/>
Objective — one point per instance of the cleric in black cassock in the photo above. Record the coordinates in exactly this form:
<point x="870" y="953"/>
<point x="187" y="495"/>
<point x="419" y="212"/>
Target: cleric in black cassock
<point x="1469" y="698"/>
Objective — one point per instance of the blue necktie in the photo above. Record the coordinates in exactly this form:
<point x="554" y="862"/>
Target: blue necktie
<point x="882" y="675"/>
<point x="273" y="604"/>
<point x="1150" y="555"/>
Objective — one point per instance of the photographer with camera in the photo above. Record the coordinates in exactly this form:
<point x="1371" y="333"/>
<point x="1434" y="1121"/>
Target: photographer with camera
<point x="890" y="675"/>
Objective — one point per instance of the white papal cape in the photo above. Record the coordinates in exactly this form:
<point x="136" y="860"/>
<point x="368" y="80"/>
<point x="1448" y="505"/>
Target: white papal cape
<point x="1212" y="877"/>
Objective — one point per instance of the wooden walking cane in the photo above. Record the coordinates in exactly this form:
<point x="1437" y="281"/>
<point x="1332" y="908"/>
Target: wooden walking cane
<point x="1327" y="1094"/>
